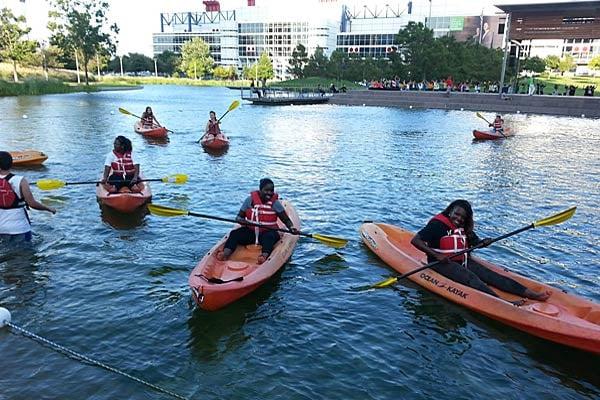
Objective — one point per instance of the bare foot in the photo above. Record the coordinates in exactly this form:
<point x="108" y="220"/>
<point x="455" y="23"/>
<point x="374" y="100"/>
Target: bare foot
<point x="111" y="188"/>
<point x="124" y="189"/>
<point x="518" y="303"/>
<point x="539" y="296"/>
<point x="220" y="255"/>
<point x="262" y="258"/>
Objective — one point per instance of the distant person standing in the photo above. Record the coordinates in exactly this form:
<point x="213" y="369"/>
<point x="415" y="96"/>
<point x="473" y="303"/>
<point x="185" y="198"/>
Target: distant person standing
<point x="487" y="35"/>
<point x="449" y="84"/>
<point x="531" y="82"/>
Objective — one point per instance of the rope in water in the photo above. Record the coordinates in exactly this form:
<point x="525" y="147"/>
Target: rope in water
<point x="74" y="354"/>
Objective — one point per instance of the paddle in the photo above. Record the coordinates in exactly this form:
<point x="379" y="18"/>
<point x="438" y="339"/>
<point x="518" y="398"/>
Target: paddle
<point x="489" y="123"/>
<point x="124" y="111"/>
<point x="234" y="104"/>
<point x="552" y="220"/>
<point x="51" y="184"/>
<point x="163" y="211"/>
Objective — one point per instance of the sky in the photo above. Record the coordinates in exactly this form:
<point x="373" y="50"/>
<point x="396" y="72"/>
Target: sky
<point x="138" y="19"/>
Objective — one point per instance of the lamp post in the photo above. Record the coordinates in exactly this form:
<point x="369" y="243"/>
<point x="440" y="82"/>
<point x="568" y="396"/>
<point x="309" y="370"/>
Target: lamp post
<point x="506" y="50"/>
<point x="155" y="69"/>
<point x="121" y="63"/>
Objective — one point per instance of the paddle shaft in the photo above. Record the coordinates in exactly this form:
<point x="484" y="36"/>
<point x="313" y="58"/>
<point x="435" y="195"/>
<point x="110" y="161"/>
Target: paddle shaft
<point x="96" y="182"/>
<point x="470" y="249"/>
<point x="194" y="214"/>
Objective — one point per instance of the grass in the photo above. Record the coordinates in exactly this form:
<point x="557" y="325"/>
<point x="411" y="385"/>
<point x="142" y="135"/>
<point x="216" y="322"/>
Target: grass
<point x="151" y="80"/>
<point x="314" y="81"/>
<point x="579" y="81"/>
<point x="37" y="87"/>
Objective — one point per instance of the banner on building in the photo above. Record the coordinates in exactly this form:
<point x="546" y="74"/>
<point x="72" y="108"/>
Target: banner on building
<point x="482" y="29"/>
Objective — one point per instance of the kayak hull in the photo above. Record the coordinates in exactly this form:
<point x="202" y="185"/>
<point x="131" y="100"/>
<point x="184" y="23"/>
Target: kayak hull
<point x="157" y="132"/>
<point x="215" y="144"/>
<point x="124" y="202"/>
<point x="241" y="269"/>
<point x="28" y="158"/>
<point x="492" y="135"/>
<point x="564" y="318"/>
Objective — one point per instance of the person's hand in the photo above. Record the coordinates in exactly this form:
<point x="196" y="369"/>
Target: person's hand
<point x="486" y="242"/>
<point x="294" y="231"/>
<point x="52" y="210"/>
<point x="440" y="257"/>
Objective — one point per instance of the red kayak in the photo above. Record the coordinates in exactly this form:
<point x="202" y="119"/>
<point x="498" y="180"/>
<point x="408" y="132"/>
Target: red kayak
<point x="124" y="202"/>
<point x="492" y="135"/>
<point x="154" y="132"/>
<point x="220" y="142"/>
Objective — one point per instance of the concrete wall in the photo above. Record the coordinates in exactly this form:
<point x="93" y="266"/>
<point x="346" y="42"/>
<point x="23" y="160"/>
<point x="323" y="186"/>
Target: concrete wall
<point x="576" y="106"/>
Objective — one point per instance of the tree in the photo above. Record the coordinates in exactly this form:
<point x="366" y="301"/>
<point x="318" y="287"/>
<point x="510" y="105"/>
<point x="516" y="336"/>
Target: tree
<point x="418" y="49"/>
<point x="594" y="63"/>
<point x="139" y="63"/>
<point x="167" y="62"/>
<point x="338" y="63"/>
<point x="195" y="58"/>
<point x="566" y="64"/>
<point x="317" y="63"/>
<point x="552" y="62"/>
<point x="265" y="67"/>
<point x="221" y="72"/>
<point x="534" y="64"/>
<point x="12" y="46"/>
<point x="77" y="26"/>
<point x="298" y="61"/>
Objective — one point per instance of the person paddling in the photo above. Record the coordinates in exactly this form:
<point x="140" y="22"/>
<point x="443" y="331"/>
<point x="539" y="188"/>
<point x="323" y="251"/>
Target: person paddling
<point x="121" y="172"/>
<point x="498" y="124"/>
<point x="148" y="119"/>
<point x="452" y="231"/>
<point x="212" y="130"/>
<point x="15" y="195"/>
<point x="261" y="207"/>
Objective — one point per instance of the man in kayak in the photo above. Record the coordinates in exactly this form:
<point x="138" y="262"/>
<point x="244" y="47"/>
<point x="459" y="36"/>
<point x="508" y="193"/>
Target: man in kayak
<point x="452" y="231"/>
<point x="15" y="195"/>
<point x="121" y="172"/>
<point x="261" y="207"/>
<point x="212" y="129"/>
<point x="498" y="124"/>
<point x="148" y="119"/>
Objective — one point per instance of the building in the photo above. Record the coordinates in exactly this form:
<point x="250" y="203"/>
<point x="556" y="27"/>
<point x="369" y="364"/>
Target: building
<point x="238" y="37"/>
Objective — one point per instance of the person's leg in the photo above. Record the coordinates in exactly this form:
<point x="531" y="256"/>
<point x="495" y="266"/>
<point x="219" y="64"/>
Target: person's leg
<point x="236" y="237"/>
<point x="114" y="183"/>
<point x="462" y="275"/>
<point x="267" y="241"/>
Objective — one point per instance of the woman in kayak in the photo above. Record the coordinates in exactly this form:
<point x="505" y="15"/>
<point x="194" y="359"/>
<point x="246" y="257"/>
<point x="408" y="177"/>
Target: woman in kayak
<point x="261" y="207"/>
<point x="121" y="172"/>
<point x="498" y="124"/>
<point x="14" y="196"/>
<point x="452" y="231"/>
<point x="212" y="129"/>
<point x="148" y="119"/>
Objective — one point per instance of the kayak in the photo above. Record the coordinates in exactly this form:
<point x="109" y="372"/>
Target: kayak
<point x="124" y="202"/>
<point x="215" y="283"/>
<point x="492" y="135"/>
<point x="221" y="142"/>
<point x="563" y="318"/>
<point x="28" y="157"/>
<point x="155" y="132"/>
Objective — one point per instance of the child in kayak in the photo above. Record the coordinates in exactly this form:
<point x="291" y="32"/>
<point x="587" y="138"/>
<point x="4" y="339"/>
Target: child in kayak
<point x="212" y="130"/>
<point x="498" y="124"/>
<point x="148" y="119"/>
<point x="261" y="207"/>
<point x="121" y="172"/>
<point x="452" y="231"/>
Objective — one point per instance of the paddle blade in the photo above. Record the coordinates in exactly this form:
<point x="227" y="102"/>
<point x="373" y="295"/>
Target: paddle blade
<point x="50" y="184"/>
<point x="235" y="104"/>
<point x="178" y="179"/>
<point x="556" y="218"/>
<point x="163" y="211"/>
<point x="385" y="283"/>
<point x="330" y="240"/>
<point x="124" y="111"/>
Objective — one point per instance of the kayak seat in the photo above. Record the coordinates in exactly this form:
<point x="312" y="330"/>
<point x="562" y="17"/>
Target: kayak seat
<point x="545" y="308"/>
<point x="593" y="317"/>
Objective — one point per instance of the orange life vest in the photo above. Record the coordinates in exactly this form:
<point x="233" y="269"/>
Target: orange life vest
<point x="262" y="213"/>
<point x="497" y="124"/>
<point x="123" y="164"/>
<point x="454" y="241"/>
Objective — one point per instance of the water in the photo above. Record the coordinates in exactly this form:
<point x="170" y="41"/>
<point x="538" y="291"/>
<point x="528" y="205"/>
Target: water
<point x="116" y="289"/>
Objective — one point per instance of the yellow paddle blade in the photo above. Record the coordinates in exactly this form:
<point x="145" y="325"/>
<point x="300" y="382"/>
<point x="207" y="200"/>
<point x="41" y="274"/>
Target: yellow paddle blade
<point x="50" y="184"/>
<point x="163" y="211"/>
<point x="178" y="179"/>
<point x="556" y="218"/>
<point x="385" y="283"/>
<point x="124" y="111"/>
<point x="330" y="240"/>
<point x="234" y="105"/>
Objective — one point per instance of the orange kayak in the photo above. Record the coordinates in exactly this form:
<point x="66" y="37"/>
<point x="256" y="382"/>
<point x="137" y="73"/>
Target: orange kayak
<point x="564" y="318"/>
<point x="215" y="283"/>
<point x="154" y="132"/>
<point x="124" y="202"/>
<point x="491" y="134"/>
<point x="28" y="157"/>
<point x="221" y="142"/>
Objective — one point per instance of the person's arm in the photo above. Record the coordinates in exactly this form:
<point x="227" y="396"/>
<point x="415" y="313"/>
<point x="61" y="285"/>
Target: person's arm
<point x="288" y="222"/>
<point x="424" y="247"/>
<point x="241" y="217"/>
<point x="105" y="173"/>
<point x="136" y="173"/>
<point x="30" y="200"/>
<point x="155" y="120"/>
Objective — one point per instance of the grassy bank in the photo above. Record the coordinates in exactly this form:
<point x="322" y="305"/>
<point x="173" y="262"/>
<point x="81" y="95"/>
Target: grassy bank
<point x="37" y="87"/>
<point x="580" y="82"/>
<point x="314" y="81"/>
<point x="151" y="80"/>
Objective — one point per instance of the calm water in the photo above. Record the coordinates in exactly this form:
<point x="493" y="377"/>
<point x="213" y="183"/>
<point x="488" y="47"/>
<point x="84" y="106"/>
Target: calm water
<point x="116" y="289"/>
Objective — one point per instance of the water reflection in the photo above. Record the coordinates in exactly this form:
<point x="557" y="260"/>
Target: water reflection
<point x="22" y="279"/>
<point x="123" y="221"/>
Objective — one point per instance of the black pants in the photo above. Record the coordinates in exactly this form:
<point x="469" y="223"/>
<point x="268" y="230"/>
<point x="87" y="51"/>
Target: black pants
<point x="119" y="182"/>
<point x="246" y="235"/>
<point x="477" y="276"/>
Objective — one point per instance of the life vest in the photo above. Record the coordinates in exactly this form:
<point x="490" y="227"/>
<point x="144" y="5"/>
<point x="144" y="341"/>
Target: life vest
<point x="147" y="120"/>
<point x="497" y="124"/>
<point x="8" y="197"/>
<point x="213" y="128"/>
<point x="262" y="213"/>
<point x="123" y="164"/>
<point x="454" y="241"/>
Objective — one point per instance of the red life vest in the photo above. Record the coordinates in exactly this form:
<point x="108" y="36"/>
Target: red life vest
<point x="147" y="120"/>
<point x="497" y="124"/>
<point x="213" y="128"/>
<point x="8" y="197"/>
<point x="262" y="213"/>
<point x="123" y="164"/>
<point x="454" y="241"/>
